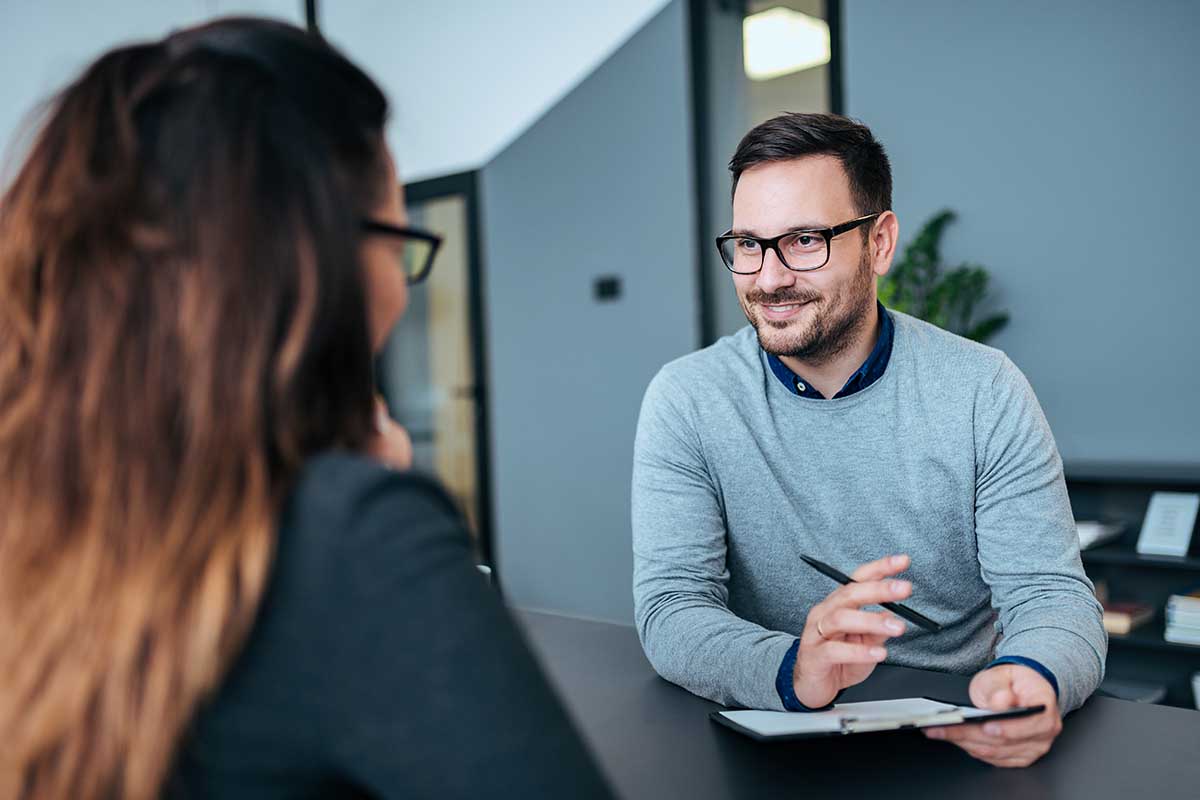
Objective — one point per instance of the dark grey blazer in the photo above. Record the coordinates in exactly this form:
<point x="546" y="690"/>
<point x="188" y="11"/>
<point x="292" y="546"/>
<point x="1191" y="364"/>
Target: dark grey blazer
<point x="381" y="663"/>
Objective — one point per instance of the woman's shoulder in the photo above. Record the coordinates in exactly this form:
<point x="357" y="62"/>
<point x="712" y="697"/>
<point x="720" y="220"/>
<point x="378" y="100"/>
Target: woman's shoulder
<point x="346" y="506"/>
<point x="338" y="486"/>
<point x="361" y="552"/>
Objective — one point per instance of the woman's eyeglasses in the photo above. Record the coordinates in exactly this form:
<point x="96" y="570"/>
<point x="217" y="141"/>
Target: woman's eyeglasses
<point x="417" y="249"/>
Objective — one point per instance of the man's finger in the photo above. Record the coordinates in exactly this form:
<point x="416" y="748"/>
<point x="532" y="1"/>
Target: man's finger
<point x="979" y="735"/>
<point x="857" y="595"/>
<point x="1002" y="699"/>
<point x="964" y="735"/>
<point x="958" y="734"/>
<point x="1007" y="756"/>
<point x="882" y="568"/>
<point x="847" y="653"/>
<point x="1035" y="726"/>
<point x="844" y="621"/>
<point x="987" y="753"/>
<point x="1016" y="762"/>
<point x="987" y="684"/>
<point x="998" y="752"/>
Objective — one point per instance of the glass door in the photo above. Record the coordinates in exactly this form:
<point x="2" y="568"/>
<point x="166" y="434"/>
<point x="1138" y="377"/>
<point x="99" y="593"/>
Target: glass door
<point x="430" y="370"/>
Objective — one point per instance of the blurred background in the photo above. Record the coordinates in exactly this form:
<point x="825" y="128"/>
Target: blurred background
<point x="574" y="155"/>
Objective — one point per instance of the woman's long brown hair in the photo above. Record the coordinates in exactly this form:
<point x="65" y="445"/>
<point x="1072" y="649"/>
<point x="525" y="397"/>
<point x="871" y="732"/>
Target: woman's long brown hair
<point x="182" y="323"/>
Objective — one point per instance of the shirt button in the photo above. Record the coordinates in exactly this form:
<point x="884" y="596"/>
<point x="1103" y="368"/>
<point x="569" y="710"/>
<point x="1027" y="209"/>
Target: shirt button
<point x="800" y="387"/>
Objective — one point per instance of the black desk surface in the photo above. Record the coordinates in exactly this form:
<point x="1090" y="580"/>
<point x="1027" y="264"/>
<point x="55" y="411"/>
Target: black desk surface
<point x="655" y="740"/>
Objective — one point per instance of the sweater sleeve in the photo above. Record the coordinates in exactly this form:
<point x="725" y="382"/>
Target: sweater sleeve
<point x="1028" y="547"/>
<point x="680" y="580"/>
<point x="433" y="691"/>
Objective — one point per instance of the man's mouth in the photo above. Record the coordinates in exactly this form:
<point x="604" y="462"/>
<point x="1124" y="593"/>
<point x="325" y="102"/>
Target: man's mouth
<point x="782" y="311"/>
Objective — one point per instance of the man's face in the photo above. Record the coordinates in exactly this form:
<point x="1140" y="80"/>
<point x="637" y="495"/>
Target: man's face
<point x="812" y="316"/>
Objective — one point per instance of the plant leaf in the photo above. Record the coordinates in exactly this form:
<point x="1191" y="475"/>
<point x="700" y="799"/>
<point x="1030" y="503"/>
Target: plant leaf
<point x="918" y="285"/>
<point x="988" y="328"/>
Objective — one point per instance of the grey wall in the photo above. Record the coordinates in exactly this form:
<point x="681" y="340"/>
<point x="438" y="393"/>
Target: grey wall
<point x="1064" y="134"/>
<point x="601" y="185"/>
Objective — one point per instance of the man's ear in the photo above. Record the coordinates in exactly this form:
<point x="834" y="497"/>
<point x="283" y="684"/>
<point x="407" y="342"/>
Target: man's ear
<point x="884" y="235"/>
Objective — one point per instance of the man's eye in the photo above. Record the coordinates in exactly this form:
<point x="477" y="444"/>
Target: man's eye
<point x="804" y="243"/>
<point x="747" y="245"/>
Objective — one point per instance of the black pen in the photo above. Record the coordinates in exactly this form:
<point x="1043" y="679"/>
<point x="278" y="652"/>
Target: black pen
<point x="910" y="615"/>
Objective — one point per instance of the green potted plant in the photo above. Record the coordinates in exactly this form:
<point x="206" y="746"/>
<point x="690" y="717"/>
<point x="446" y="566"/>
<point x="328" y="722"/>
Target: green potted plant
<point x="949" y="298"/>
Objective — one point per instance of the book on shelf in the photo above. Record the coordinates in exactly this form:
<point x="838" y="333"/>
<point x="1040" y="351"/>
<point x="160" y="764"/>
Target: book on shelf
<point x="1183" y="618"/>
<point x="1180" y="635"/>
<point x="1189" y="602"/>
<point x="1121" y="618"/>
<point x="1093" y="533"/>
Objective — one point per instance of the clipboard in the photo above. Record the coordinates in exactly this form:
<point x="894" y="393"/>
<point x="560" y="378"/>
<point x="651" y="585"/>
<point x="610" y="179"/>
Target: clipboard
<point x="850" y="718"/>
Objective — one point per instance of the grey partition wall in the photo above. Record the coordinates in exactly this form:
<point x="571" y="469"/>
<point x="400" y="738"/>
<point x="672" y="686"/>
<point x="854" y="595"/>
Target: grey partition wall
<point x="590" y="287"/>
<point x="1064" y="136"/>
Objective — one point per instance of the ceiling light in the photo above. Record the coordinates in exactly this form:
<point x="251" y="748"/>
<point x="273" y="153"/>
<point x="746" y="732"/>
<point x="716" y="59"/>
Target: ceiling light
<point x="780" y="41"/>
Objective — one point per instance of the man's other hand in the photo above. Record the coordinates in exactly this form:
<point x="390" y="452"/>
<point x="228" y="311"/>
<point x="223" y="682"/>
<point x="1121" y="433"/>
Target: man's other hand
<point x="1014" y="742"/>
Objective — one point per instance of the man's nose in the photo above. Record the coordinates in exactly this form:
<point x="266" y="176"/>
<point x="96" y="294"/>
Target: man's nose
<point x="774" y="275"/>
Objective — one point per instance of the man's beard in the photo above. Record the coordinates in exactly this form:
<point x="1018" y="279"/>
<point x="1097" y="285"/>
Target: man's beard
<point x="831" y="329"/>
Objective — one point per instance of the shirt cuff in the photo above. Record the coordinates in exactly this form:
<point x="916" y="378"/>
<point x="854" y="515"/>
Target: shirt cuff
<point x="785" y="686"/>
<point x="1036" y="666"/>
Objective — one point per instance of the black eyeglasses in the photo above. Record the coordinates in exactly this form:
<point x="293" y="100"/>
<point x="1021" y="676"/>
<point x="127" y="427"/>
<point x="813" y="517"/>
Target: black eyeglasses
<point x="419" y="248"/>
<point x="799" y="250"/>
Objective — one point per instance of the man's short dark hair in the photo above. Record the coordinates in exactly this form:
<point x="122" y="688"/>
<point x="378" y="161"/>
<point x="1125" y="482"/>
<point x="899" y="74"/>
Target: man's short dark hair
<point x="792" y="136"/>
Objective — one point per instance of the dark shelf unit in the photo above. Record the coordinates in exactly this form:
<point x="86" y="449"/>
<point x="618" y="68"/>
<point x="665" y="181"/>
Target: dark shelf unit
<point x="1120" y="493"/>
<point x="1112" y="554"/>
<point x="1150" y="637"/>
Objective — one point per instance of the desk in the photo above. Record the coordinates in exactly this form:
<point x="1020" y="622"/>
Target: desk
<point x="654" y="739"/>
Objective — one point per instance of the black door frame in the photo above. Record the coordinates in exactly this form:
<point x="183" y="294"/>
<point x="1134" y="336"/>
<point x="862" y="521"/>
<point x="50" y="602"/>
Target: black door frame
<point x="698" y="12"/>
<point x="466" y="185"/>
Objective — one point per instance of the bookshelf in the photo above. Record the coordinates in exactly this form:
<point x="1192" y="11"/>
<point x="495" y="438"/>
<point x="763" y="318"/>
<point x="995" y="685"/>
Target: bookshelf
<point x="1110" y="554"/>
<point x="1121" y="493"/>
<point x="1150" y="637"/>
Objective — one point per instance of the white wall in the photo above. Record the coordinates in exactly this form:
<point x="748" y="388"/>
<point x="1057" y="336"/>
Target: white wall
<point x="467" y="77"/>
<point x="1064" y="134"/>
<point x="44" y="44"/>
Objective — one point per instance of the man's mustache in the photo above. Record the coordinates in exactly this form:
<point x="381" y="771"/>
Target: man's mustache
<point x="780" y="298"/>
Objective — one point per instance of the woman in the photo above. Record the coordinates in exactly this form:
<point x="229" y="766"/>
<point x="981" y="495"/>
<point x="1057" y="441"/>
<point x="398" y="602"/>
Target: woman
<point x="205" y="589"/>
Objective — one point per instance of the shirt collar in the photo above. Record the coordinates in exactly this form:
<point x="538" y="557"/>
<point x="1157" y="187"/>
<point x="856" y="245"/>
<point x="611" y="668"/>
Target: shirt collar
<point x="871" y="370"/>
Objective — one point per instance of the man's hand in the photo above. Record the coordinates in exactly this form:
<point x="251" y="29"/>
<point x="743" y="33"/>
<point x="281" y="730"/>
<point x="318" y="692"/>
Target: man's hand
<point x="1014" y="742"/>
<point x="841" y="643"/>
<point x="391" y="444"/>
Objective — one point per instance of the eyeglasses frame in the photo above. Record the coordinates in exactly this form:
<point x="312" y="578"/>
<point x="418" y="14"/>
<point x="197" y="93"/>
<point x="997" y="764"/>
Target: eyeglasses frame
<point x="828" y="234"/>
<point x="375" y="226"/>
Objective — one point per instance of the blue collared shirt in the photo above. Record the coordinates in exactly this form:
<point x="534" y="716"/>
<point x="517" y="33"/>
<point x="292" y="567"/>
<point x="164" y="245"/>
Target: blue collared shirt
<point x="871" y="370"/>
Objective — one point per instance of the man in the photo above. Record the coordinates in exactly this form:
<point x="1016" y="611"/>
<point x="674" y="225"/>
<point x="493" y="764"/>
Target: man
<point x="930" y="446"/>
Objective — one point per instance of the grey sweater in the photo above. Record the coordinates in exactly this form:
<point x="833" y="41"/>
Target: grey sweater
<point x="947" y="457"/>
